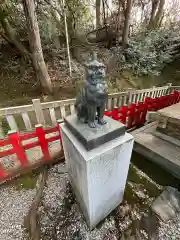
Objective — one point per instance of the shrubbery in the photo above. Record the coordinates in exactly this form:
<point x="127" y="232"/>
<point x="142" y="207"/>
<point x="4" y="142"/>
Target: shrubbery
<point x="147" y="54"/>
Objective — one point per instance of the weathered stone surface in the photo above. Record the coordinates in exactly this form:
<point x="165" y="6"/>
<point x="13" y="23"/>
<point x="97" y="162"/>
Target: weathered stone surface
<point x="171" y="129"/>
<point x="94" y="137"/>
<point x="169" y="121"/>
<point x="152" y="116"/>
<point x="172" y="111"/>
<point x="167" y="205"/>
<point x="157" y="149"/>
<point x="98" y="176"/>
<point x="167" y="138"/>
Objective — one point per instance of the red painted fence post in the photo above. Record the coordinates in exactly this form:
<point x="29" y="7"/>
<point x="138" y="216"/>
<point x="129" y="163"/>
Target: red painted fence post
<point x="43" y="142"/>
<point x="3" y="173"/>
<point x="13" y="136"/>
<point x="123" y="114"/>
<point x="115" y="113"/>
<point x="131" y="115"/>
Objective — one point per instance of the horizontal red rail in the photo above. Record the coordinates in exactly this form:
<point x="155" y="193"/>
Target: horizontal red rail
<point x="31" y="145"/>
<point x="52" y="139"/>
<point x="7" y="153"/>
<point x="51" y="130"/>
<point x="4" y="142"/>
<point x="27" y="136"/>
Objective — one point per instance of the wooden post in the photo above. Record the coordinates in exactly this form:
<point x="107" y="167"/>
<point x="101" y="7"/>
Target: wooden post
<point x="43" y="142"/>
<point x="169" y="85"/>
<point x="38" y="111"/>
<point x="59" y="129"/>
<point x="27" y="121"/>
<point x="17" y="146"/>
<point x="12" y="122"/>
<point x="130" y="95"/>
<point x="131" y="115"/>
<point x="72" y="109"/>
<point x="123" y="114"/>
<point x="115" y="113"/>
<point x="153" y="93"/>
<point x="1" y="130"/>
<point x="3" y="173"/>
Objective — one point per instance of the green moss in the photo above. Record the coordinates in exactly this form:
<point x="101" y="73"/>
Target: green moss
<point x="133" y="176"/>
<point x="130" y="196"/>
<point x="27" y="181"/>
<point x="5" y="125"/>
<point x="151" y="188"/>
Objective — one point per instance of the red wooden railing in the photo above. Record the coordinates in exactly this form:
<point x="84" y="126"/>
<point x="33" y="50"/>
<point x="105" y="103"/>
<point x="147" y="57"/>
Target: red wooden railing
<point x="133" y="115"/>
<point x="18" y="147"/>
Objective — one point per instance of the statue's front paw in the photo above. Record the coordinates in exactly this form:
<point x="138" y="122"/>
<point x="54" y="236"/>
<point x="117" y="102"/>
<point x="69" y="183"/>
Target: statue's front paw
<point x="92" y="124"/>
<point x="101" y="121"/>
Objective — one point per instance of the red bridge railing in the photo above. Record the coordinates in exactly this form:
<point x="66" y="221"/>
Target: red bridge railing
<point x="133" y="115"/>
<point x="16" y="145"/>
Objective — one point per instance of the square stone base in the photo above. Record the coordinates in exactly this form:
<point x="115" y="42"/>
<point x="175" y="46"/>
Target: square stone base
<point x="94" y="137"/>
<point x="98" y="176"/>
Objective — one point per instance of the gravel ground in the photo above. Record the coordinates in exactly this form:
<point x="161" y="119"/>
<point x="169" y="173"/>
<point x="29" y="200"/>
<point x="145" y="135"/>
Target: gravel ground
<point x="61" y="218"/>
<point x="14" y="205"/>
<point x="170" y="230"/>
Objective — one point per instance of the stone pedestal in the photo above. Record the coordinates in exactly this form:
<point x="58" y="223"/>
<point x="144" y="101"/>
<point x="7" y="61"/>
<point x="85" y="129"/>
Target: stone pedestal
<point x="98" y="176"/>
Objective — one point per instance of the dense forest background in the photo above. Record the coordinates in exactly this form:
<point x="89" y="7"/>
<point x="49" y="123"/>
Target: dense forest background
<point x="45" y="43"/>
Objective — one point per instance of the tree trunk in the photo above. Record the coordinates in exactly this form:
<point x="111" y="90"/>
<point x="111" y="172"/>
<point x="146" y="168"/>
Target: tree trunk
<point x="98" y="13"/>
<point x="13" y="39"/>
<point x="55" y="14"/>
<point x="160" y="21"/>
<point x="159" y="14"/>
<point x="153" y="12"/>
<point x="10" y="34"/>
<point x="127" y="22"/>
<point x="156" y="13"/>
<point x="35" y="46"/>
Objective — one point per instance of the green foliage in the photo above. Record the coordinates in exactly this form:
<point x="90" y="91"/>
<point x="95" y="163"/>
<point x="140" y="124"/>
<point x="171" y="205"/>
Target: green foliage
<point x="3" y="14"/>
<point x="13" y="11"/>
<point x="78" y="15"/>
<point x="147" y="54"/>
<point x="46" y="28"/>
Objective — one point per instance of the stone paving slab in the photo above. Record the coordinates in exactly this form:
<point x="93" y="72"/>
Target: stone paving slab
<point x="169" y="121"/>
<point x="164" y="153"/>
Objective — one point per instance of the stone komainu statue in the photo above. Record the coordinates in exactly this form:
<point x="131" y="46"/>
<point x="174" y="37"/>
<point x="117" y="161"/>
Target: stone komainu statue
<point x="90" y="103"/>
